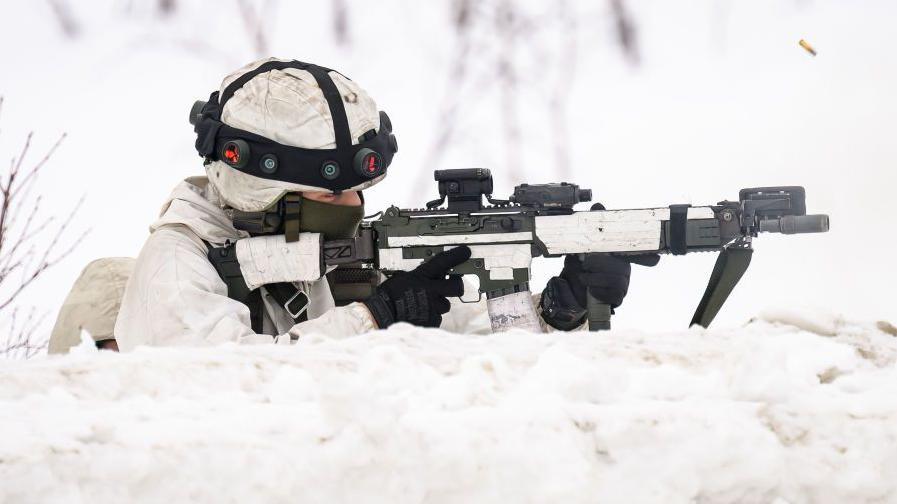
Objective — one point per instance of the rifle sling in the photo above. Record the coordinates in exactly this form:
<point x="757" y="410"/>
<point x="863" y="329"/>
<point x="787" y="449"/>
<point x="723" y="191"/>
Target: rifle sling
<point x="287" y="295"/>
<point x="730" y="266"/>
<point x="256" y="309"/>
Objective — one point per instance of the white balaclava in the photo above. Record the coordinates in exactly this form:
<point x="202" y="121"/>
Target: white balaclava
<point x="288" y="107"/>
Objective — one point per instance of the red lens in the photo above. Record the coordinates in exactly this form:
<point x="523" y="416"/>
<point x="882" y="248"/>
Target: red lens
<point x="232" y="153"/>
<point x="368" y="163"/>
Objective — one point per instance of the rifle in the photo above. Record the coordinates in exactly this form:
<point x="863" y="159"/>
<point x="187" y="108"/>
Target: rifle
<point x="538" y="220"/>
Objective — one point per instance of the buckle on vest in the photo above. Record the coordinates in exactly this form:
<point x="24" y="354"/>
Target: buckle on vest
<point x="302" y="308"/>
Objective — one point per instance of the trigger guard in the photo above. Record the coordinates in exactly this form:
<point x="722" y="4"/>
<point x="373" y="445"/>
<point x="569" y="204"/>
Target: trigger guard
<point x="477" y="300"/>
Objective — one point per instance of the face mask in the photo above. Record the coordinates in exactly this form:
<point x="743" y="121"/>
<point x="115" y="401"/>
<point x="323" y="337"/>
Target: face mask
<point x="335" y="222"/>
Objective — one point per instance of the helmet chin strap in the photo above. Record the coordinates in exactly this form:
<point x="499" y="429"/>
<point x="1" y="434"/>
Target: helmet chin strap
<point x="292" y="204"/>
<point x="282" y="218"/>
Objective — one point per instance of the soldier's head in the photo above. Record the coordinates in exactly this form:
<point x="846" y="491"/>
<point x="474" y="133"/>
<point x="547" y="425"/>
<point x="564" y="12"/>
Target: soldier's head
<point x="277" y="127"/>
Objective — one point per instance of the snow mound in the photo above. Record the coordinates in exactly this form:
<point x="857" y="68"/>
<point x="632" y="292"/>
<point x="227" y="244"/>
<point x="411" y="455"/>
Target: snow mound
<point x="768" y="412"/>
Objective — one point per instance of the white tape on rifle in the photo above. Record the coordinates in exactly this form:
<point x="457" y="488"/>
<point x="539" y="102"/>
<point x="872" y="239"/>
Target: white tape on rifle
<point x="607" y="231"/>
<point x="458" y="239"/>
<point x="513" y="311"/>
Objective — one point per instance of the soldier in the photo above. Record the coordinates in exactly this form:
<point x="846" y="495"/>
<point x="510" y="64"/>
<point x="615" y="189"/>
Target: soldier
<point x="291" y="146"/>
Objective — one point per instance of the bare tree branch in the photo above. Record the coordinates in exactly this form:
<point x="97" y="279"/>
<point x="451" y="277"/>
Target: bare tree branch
<point x="10" y="255"/>
<point x="452" y="99"/>
<point x="626" y="32"/>
<point x="46" y="261"/>
<point x="461" y="13"/>
<point x="500" y="53"/>
<point x="341" y="22"/>
<point x="33" y="172"/>
<point x="63" y="15"/>
<point x="23" y="250"/>
<point x="21" y="342"/>
<point x="506" y="26"/>
<point x="167" y="7"/>
<point x="561" y="91"/>
<point x="254" y="22"/>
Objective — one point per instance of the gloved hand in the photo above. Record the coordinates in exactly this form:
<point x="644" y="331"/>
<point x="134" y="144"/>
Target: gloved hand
<point x="605" y="275"/>
<point x="564" y="301"/>
<point x="560" y="307"/>
<point x="419" y="296"/>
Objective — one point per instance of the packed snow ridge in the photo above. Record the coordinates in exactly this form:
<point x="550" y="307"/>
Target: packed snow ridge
<point x="785" y="409"/>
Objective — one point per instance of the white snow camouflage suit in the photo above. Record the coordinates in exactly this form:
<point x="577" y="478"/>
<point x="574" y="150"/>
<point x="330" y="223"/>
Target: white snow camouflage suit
<point x="176" y="297"/>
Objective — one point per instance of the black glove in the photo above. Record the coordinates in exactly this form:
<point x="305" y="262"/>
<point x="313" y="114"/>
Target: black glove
<point x="559" y="306"/>
<point x="419" y="296"/>
<point x="605" y="275"/>
<point x="564" y="303"/>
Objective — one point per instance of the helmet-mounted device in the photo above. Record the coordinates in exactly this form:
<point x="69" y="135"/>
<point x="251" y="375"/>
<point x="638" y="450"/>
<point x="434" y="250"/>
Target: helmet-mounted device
<point x="346" y="167"/>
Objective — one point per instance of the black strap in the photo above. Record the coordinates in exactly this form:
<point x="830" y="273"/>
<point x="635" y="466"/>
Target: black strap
<point x="335" y="102"/>
<point x="291" y="298"/>
<point x="289" y="156"/>
<point x="678" y="242"/>
<point x="292" y="207"/>
<point x="321" y="75"/>
<point x="240" y="81"/>
<point x="256" y="311"/>
<point x="224" y="260"/>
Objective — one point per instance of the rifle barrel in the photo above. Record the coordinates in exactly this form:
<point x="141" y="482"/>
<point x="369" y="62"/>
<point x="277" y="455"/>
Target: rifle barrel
<point x="796" y="224"/>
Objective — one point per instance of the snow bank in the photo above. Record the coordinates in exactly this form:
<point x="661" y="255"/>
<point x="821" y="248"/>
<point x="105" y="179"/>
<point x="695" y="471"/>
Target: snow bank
<point x="776" y="411"/>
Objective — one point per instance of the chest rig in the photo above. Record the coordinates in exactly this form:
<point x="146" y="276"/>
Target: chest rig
<point x="286" y="294"/>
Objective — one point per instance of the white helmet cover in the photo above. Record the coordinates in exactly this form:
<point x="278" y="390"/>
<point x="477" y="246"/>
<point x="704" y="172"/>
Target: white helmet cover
<point x="286" y="106"/>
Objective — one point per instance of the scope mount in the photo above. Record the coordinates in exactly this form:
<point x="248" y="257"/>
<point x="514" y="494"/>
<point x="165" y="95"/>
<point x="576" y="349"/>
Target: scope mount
<point x="465" y="188"/>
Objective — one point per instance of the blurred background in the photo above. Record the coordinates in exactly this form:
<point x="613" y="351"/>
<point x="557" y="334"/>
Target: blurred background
<point x="646" y="102"/>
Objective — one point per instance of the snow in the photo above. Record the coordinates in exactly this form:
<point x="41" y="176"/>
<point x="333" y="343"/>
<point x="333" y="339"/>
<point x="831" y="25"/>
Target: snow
<point x="792" y="407"/>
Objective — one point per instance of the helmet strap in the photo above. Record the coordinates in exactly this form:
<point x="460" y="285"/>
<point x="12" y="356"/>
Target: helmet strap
<point x="292" y="204"/>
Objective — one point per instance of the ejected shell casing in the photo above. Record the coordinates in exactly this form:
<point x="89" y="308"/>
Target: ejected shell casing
<point x="803" y="43"/>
